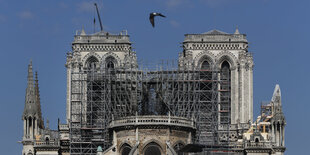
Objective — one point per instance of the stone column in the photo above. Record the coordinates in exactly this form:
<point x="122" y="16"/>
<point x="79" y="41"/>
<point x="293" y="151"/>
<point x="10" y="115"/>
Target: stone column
<point x="272" y="133"/>
<point x="280" y="136"/>
<point x="245" y="94"/>
<point x="189" y="140"/>
<point x="232" y="98"/>
<point x="241" y="93"/>
<point x="30" y="127"/>
<point x="219" y="99"/>
<point x="25" y="127"/>
<point x="277" y="142"/>
<point x="251" y="93"/>
<point x="32" y="124"/>
<point x="234" y="95"/>
<point x="137" y="134"/>
<point x="68" y="93"/>
<point x="115" y="140"/>
<point x="36" y="127"/>
<point x="283" y="137"/>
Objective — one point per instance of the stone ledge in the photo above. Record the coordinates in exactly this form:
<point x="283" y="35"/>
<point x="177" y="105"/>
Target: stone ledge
<point x="153" y="120"/>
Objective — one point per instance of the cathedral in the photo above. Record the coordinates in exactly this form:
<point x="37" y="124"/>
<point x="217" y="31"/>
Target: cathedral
<point x="200" y="104"/>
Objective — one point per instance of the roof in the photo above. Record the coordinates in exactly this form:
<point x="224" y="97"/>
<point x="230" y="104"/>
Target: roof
<point x="215" y="32"/>
<point x="192" y="148"/>
<point x="30" y="99"/>
<point x="101" y="37"/>
<point x="276" y="97"/>
<point x="214" y="36"/>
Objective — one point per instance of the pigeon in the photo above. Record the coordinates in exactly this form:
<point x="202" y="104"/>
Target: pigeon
<point x="152" y="16"/>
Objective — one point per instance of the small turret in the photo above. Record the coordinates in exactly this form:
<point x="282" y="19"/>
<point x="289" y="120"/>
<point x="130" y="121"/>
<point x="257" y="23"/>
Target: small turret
<point x="83" y="32"/>
<point x="278" y="120"/>
<point x="237" y="31"/>
<point x="276" y="100"/>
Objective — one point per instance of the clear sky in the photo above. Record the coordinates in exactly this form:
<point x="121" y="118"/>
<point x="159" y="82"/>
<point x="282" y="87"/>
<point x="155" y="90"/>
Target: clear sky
<point x="277" y="30"/>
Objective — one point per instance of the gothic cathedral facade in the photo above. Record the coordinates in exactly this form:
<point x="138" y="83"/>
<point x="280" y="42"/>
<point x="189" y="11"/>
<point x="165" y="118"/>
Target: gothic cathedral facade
<point x="200" y="104"/>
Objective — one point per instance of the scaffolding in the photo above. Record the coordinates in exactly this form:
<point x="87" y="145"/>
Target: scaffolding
<point x="100" y="95"/>
<point x="226" y="137"/>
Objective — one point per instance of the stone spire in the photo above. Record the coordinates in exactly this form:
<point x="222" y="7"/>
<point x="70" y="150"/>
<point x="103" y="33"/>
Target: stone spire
<point x="237" y="31"/>
<point x="38" y="103"/>
<point x="30" y="99"/>
<point x="83" y="31"/>
<point x="278" y="120"/>
<point x="277" y="105"/>
<point x="276" y="97"/>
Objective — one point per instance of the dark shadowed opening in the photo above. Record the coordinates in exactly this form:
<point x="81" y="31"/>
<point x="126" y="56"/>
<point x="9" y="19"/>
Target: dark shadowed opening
<point x="126" y="150"/>
<point x="152" y="149"/>
<point x="205" y="65"/>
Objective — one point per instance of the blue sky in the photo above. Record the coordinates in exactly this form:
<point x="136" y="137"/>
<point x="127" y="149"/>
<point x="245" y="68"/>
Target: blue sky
<point x="277" y="30"/>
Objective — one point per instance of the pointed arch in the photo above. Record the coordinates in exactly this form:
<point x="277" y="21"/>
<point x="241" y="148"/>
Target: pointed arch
<point x="116" y="61"/>
<point x="87" y="56"/>
<point x="204" y="56"/>
<point x="152" y="148"/>
<point x="110" y="62"/>
<point x="227" y="56"/>
<point x="225" y="69"/>
<point x="91" y="63"/>
<point x="225" y="93"/>
<point x="125" y="149"/>
<point x="205" y="65"/>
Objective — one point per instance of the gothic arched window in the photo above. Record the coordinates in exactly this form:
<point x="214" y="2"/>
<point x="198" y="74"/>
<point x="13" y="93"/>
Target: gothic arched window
<point x="152" y="149"/>
<point x="205" y="65"/>
<point x="225" y="71"/>
<point x="92" y="64"/>
<point x="125" y="149"/>
<point x="110" y="62"/>
<point x="225" y="93"/>
<point x="205" y="70"/>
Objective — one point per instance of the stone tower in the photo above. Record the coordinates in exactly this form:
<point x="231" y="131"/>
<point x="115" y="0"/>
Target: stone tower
<point x="228" y="54"/>
<point x="96" y="53"/>
<point x="32" y="117"/>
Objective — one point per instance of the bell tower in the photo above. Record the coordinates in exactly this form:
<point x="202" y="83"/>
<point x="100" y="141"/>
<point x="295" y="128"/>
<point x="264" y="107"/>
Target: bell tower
<point x="227" y="54"/>
<point x="96" y="53"/>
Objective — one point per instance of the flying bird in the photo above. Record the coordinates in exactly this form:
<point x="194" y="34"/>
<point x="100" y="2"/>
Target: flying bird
<point x="152" y="16"/>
